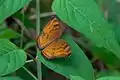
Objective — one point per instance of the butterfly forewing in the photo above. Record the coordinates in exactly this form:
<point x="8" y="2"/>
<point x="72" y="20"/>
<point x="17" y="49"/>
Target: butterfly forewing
<point x="52" y="31"/>
<point x="53" y="47"/>
<point x="57" y="49"/>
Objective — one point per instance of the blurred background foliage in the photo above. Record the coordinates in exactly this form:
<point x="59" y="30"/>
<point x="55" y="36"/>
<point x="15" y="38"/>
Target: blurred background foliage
<point x="26" y="19"/>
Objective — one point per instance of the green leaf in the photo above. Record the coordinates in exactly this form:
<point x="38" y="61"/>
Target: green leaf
<point x="113" y="12"/>
<point x="76" y="78"/>
<point x="77" y="64"/>
<point x="106" y="56"/>
<point x="109" y="78"/>
<point x="8" y="33"/>
<point x="87" y="19"/>
<point x="3" y="25"/>
<point x="10" y="78"/>
<point x="108" y="73"/>
<point x="8" y="7"/>
<point x="117" y="32"/>
<point x="11" y="57"/>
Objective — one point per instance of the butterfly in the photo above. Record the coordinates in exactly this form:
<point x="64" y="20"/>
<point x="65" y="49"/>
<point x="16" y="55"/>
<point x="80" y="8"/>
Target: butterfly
<point x="50" y="43"/>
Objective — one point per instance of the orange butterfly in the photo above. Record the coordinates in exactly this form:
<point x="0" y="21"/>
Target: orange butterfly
<point x="53" y="47"/>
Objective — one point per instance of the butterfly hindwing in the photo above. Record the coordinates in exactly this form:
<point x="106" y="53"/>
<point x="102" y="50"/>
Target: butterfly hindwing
<point x="57" y="49"/>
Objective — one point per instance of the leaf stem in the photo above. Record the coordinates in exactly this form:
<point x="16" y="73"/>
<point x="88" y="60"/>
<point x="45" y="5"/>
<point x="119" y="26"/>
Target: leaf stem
<point x="39" y="69"/>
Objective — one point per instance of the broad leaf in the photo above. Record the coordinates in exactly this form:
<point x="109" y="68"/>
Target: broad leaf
<point x="85" y="17"/>
<point x="76" y="78"/>
<point x="77" y="64"/>
<point x="11" y="57"/>
<point x="109" y="78"/>
<point x="8" y="7"/>
<point x="10" y="78"/>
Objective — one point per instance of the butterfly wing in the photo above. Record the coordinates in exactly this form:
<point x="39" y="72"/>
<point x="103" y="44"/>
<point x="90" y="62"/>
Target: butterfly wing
<point x="53" y="30"/>
<point x="57" y="49"/>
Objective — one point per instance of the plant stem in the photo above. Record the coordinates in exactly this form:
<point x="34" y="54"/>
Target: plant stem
<point x="22" y="32"/>
<point x="39" y="69"/>
<point x="29" y="73"/>
<point x="42" y="15"/>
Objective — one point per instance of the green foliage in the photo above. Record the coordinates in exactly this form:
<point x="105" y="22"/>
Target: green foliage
<point x="76" y="64"/>
<point x="11" y="57"/>
<point x="26" y="21"/>
<point x="113" y="12"/>
<point x="8" y="33"/>
<point x="10" y="78"/>
<point x="106" y="56"/>
<point x="117" y="32"/>
<point x="87" y="19"/>
<point x="102" y="78"/>
<point x="109" y="78"/>
<point x="9" y="7"/>
<point x="76" y="78"/>
<point x="80" y="15"/>
<point x="107" y="73"/>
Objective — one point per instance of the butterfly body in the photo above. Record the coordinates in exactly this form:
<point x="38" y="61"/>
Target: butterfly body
<point x="53" y="47"/>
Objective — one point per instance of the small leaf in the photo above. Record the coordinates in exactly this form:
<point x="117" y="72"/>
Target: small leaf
<point x="87" y="19"/>
<point x="10" y="78"/>
<point x="77" y="64"/>
<point x="76" y="78"/>
<point x="109" y="78"/>
<point x="8" y="34"/>
<point x="11" y="57"/>
<point x="8" y="7"/>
